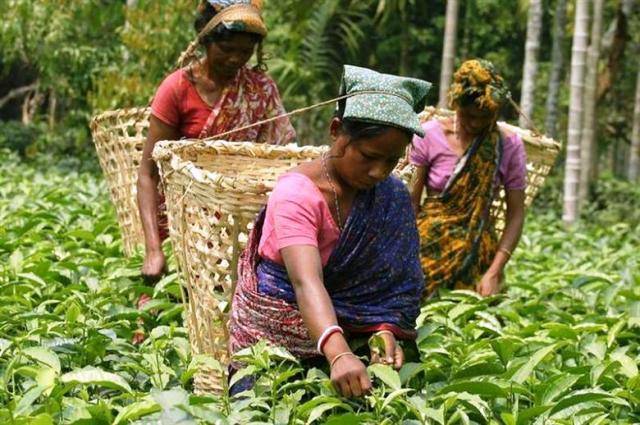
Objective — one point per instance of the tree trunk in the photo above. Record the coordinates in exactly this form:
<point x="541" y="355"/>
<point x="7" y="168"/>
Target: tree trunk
<point x="589" y="126"/>
<point x="53" y="104"/>
<point x="557" y="66"/>
<point x="30" y="106"/>
<point x="530" y="68"/>
<point x="616" y="45"/>
<point x="131" y="4"/>
<point x="17" y="92"/>
<point x="448" y="51"/>
<point x="572" y="164"/>
<point x="633" y="172"/>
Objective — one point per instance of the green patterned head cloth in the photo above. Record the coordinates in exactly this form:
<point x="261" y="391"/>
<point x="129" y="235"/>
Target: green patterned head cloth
<point x="478" y="81"/>
<point x="383" y="98"/>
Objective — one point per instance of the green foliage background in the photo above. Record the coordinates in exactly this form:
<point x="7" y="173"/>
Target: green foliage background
<point x="94" y="55"/>
<point x="562" y="346"/>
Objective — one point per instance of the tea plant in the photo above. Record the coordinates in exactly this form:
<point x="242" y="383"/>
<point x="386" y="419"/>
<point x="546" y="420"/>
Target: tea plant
<point x="560" y="346"/>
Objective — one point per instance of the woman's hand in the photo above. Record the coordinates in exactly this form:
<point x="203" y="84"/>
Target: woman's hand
<point x="349" y="376"/>
<point x="392" y="355"/>
<point x="154" y="266"/>
<point x="489" y="284"/>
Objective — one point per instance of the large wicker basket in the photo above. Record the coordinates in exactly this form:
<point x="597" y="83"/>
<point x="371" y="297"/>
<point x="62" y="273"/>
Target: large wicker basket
<point x="213" y="192"/>
<point x="119" y="137"/>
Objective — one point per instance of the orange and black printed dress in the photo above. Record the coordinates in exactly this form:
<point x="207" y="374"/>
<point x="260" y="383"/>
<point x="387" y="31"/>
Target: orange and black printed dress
<point x="457" y="239"/>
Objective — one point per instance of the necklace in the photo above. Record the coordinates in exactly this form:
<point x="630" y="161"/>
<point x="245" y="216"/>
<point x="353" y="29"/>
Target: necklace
<point x="333" y="188"/>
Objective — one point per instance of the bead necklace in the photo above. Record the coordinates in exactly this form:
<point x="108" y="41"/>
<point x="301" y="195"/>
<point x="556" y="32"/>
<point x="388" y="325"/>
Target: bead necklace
<point x="333" y="188"/>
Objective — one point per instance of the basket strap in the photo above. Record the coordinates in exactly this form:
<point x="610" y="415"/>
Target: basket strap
<point x="296" y="112"/>
<point x="530" y="123"/>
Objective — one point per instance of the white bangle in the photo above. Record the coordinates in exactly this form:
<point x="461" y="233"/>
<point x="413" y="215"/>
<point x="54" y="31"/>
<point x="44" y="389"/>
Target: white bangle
<point x="329" y="330"/>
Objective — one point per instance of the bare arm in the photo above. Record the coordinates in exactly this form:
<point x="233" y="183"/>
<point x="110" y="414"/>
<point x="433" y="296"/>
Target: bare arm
<point x="514" y="222"/>
<point x="304" y="267"/>
<point x="418" y="187"/>
<point x="148" y="179"/>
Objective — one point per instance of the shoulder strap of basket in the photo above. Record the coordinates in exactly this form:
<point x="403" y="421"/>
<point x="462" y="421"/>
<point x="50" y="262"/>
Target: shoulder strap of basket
<point x="294" y="112"/>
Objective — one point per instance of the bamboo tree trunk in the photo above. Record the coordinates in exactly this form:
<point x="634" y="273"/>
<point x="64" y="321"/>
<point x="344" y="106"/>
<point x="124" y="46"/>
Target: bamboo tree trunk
<point x="572" y="164"/>
<point x="131" y="4"/>
<point x="530" y="68"/>
<point x="557" y="66"/>
<point x="448" y="51"/>
<point x="633" y="172"/>
<point x="587" y="149"/>
<point x="53" y="104"/>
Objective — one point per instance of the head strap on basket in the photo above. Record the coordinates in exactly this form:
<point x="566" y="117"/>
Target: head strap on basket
<point x="245" y="16"/>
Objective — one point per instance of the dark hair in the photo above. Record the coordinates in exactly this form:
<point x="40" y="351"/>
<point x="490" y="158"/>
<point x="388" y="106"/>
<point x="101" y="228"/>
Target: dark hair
<point x="468" y="99"/>
<point x="206" y="12"/>
<point x="356" y="129"/>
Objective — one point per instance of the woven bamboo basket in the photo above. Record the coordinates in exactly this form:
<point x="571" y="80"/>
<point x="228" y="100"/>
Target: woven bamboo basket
<point x="213" y="190"/>
<point x="119" y="138"/>
<point x="541" y="156"/>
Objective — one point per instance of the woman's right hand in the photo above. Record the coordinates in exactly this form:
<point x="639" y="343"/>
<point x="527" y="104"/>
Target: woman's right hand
<point x="154" y="266"/>
<point x="349" y="376"/>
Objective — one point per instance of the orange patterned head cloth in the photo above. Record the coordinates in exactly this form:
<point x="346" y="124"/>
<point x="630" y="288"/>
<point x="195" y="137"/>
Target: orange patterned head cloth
<point x="478" y="81"/>
<point x="237" y="15"/>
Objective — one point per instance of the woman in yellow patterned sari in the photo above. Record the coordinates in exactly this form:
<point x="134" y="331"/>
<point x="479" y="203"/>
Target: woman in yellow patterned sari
<point x="462" y="162"/>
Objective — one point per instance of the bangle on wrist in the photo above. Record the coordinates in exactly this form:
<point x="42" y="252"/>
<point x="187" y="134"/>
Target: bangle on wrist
<point x="506" y="251"/>
<point x="338" y="357"/>
<point x="329" y="330"/>
<point x="385" y="331"/>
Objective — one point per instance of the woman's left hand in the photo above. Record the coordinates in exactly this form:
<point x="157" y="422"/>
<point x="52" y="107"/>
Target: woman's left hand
<point x="489" y="284"/>
<point x="393" y="354"/>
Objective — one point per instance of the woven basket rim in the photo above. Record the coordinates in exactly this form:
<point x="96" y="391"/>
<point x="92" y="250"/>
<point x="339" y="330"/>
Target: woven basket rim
<point x="542" y="140"/>
<point x="117" y="113"/>
<point x="528" y="136"/>
<point x="169" y="152"/>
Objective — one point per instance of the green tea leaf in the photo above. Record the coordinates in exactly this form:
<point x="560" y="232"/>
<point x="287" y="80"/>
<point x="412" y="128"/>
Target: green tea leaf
<point x="386" y="374"/>
<point x="482" y="388"/>
<point x="136" y="410"/>
<point x="525" y="371"/>
<point x="93" y="376"/>
<point x="629" y="367"/>
<point x="44" y="356"/>
<point x="27" y="400"/>
<point x="556" y="387"/>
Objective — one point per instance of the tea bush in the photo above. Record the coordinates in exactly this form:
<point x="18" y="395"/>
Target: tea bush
<point x="560" y="346"/>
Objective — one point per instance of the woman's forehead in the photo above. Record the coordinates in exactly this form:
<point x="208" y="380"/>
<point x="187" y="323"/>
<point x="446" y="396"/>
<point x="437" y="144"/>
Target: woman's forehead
<point x="392" y="142"/>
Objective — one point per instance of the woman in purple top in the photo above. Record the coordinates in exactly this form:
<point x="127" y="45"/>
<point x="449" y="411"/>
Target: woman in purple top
<point x="462" y="163"/>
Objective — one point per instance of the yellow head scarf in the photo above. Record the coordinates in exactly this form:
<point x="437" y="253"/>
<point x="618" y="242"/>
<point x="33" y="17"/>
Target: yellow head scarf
<point x="478" y="79"/>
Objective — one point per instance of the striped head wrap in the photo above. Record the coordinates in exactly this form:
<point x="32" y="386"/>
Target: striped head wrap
<point x="236" y="15"/>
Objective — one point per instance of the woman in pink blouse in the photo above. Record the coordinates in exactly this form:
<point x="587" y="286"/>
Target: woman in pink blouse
<point x="463" y="161"/>
<point x="214" y="95"/>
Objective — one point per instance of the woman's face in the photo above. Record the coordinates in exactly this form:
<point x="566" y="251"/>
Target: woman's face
<point x="367" y="162"/>
<point x="474" y="120"/>
<point x="226" y="57"/>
